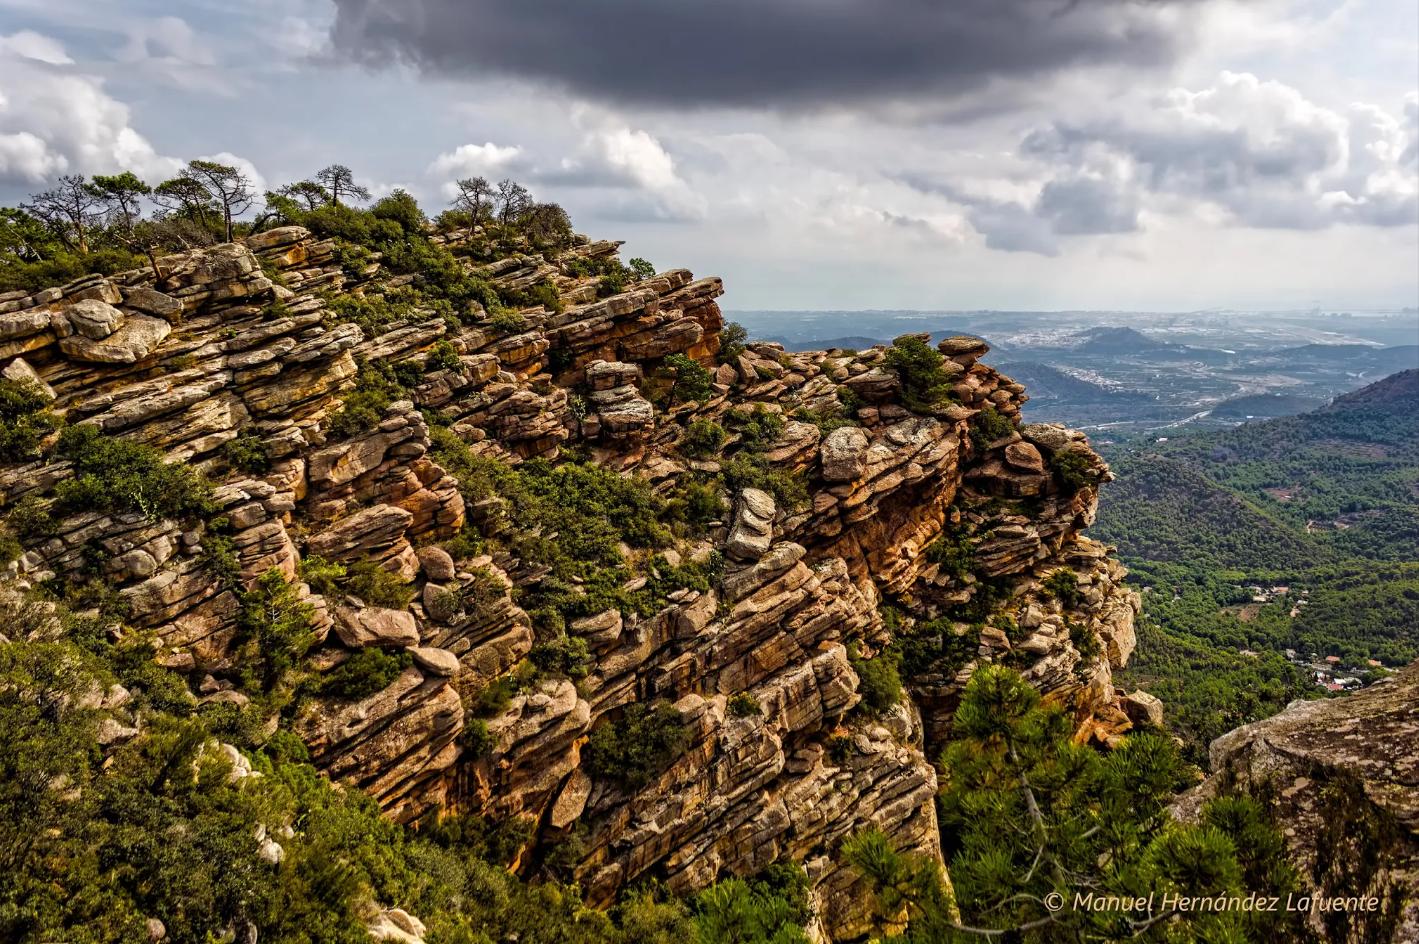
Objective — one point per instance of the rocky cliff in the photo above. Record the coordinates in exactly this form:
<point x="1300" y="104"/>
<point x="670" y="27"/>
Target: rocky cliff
<point x="844" y="525"/>
<point x="1342" y="779"/>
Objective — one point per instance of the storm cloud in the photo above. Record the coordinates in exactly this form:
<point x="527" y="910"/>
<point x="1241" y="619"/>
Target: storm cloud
<point x="752" y="53"/>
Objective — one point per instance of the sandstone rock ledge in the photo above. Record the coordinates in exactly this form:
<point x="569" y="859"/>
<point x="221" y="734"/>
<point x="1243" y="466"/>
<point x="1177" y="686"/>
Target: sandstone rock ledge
<point x="237" y="343"/>
<point x="1341" y="776"/>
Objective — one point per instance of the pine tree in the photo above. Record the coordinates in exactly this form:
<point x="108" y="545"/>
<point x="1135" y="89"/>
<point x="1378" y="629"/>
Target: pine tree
<point x="1030" y="820"/>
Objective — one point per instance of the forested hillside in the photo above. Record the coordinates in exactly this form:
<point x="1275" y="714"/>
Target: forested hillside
<point x="1298" y="533"/>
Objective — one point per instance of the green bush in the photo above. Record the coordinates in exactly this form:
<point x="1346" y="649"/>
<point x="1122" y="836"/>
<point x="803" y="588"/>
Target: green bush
<point x="789" y="490"/>
<point x="703" y="438"/>
<point x="613" y="282"/>
<point x="954" y="552"/>
<point x="115" y="475"/>
<point x="639" y="746"/>
<point x="247" y="453"/>
<point x="323" y="576"/>
<point x="377" y="385"/>
<point x="274" y="627"/>
<point x="642" y="269"/>
<point x="443" y="356"/>
<point x="692" y="381"/>
<point x="565" y="655"/>
<point x="988" y="426"/>
<point x="744" y="705"/>
<point x="30" y="519"/>
<point x="364" y="673"/>
<point x="697" y="504"/>
<point x="24" y="420"/>
<point x="543" y="293"/>
<point x="1087" y="644"/>
<point x="65" y="267"/>
<point x="507" y="321"/>
<point x="377" y="587"/>
<point x="758" y="428"/>
<point x="879" y="682"/>
<point x="1072" y="468"/>
<point x="917" y="365"/>
<point x="1063" y="585"/>
<point x="732" y="338"/>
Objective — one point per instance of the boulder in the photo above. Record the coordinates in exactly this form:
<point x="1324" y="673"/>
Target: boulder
<point x="753" y="531"/>
<point x="437" y="564"/>
<point x="1024" y="456"/>
<point x="362" y="626"/>
<point x="397" y="926"/>
<point x="134" y="340"/>
<point x="150" y="301"/>
<point x="1051" y="436"/>
<point x="93" y="319"/>
<point x="844" y="454"/>
<point x="963" y="346"/>
<point x="19" y="371"/>
<point x="434" y="661"/>
<point x="605" y="375"/>
<point x="1143" y="709"/>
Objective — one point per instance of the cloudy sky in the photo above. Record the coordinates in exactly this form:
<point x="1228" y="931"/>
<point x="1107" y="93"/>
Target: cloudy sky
<point x="1042" y="154"/>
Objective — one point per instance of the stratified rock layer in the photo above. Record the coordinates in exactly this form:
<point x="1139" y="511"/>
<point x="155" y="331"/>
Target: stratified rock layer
<point x="237" y="340"/>
<point x="1341" y="776"/>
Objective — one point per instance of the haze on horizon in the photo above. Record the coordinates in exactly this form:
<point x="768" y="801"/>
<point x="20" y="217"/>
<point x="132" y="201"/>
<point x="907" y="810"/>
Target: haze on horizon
<point x="983" y="154"/>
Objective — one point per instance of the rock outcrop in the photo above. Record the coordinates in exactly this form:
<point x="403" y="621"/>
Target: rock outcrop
<point x="964" y="524"/>
<point x="1341" y="778"/>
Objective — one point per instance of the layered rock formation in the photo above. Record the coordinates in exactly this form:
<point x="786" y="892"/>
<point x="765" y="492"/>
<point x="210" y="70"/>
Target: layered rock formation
<point x="1342" y="778"/>
<point x="965" y="524"/>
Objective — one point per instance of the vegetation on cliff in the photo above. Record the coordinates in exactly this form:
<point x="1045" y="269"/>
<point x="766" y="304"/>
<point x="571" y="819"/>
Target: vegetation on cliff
<point x="1034" y="826"/>
<point x="367" y="517"/>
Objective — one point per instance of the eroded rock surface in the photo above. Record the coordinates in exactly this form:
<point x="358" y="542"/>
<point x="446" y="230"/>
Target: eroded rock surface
<point x="1341" y="777"/>
<point x="962" y="534"/>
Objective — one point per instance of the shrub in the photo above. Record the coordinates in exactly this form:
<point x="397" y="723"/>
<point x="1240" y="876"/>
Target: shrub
<point x="953" y="552"/>
<point x="507" y="321"/>
<point x="732" y="338"/>
<point x="364" y="673"/>
<point x="546" y="295"/>
<point x="565" y="655"/>
<point x="322" y="575"/>
<point x="475" y="739"/>
<point x="759" y="428"/>
<point x="30" y="519"/>
<point x="116" y="475"/>
<point x="275" y="631"/>
<point x="703" y="438"/>
<point x="642" y="269"/>
<point x="24" y="420"/>
<point x="1063" y="585"/>
<point x="1086" y="643"/>
<point x="697" y="504"/>
<point x="639" y="746"/>
<point x="988" y="426"/>
<point x="917" y="364"/>
<point x="247" y="453"/>
<point x="788" y="489"/>
<point x="744" y="705"/>
<point x="1072" y="468"/>
<point x="879" y="682"/>
<point x="377" y="385"/>
<point x="613" y="282"/>
<point x="377" y="586"/>
<point x="443" y="356"/>
<point x="692" y="381"/>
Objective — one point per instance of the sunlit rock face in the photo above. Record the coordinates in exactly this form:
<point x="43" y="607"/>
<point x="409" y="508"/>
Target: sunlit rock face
<point x="958" y="519"/>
